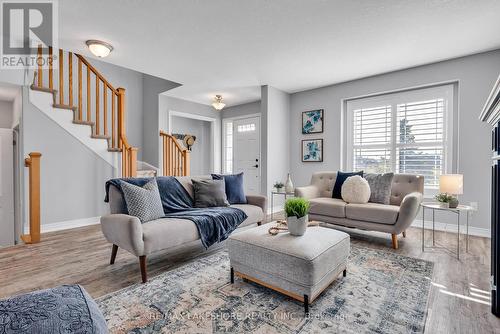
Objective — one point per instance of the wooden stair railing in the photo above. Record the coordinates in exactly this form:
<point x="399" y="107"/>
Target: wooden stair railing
<point x="33" y="164"/>
<point x="98" y="104"/>
<point x="176" y="159"/>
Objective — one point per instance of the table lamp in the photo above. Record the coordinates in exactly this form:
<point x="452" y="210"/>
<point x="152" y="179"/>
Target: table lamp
<point x="452" y="184"/>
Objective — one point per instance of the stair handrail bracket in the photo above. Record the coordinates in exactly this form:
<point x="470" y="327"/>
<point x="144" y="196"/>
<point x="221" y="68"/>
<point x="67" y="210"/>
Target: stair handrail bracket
<point x="94" y="101"/>
<point x="176" y="159"/>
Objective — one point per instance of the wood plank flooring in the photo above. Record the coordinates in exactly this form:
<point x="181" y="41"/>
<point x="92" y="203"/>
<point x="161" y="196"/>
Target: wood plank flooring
<point x="458" y="302"/>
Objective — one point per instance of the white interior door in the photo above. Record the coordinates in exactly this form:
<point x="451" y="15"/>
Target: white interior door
<point x="246" y="152"/>
<point x="6" y="188"/>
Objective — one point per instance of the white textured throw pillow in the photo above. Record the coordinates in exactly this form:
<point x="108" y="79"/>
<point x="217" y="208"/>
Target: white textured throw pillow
<point x="356" y="190"/>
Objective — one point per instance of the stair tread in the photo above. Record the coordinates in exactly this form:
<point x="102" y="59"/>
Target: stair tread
<point x="114" y="149"/>
<point x="81" y="122"/>
<point x="64" y="106"/>
<point x="43" y="89"/>
<point x="100" y="137"/>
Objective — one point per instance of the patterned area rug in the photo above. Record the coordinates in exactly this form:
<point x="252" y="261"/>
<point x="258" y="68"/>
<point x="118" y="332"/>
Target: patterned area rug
<point x="382" y="293"/>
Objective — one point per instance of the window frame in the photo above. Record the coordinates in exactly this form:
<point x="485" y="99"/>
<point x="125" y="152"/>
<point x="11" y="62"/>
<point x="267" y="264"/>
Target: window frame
<point x="393" y="99"/>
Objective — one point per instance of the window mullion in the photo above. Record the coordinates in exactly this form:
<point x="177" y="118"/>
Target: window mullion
<point x="394" y="118"/>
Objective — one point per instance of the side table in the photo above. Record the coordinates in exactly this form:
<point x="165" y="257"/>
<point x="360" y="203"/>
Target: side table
<point x="278" y="193"/>
<point x="457" y="211"/>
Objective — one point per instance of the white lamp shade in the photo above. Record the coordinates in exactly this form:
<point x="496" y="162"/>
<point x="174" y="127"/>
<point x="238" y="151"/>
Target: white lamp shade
<point x="451" y="184"/>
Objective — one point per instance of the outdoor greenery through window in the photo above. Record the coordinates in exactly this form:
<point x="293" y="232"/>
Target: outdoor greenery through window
<point x="408" y="132"/>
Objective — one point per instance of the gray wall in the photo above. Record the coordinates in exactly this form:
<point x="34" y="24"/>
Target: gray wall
<point x="72" y="176"/>
<point x="170" y="104"/>
<point x="475" y="74"/>
<point x="200" y="152"/>
<point x="152" y="118"/>
<point x="242" y="110"/>
<point x="6" y="114"/>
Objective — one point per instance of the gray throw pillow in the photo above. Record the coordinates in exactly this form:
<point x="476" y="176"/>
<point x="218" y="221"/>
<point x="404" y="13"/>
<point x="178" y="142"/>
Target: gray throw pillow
<point x="143" y="202"/>
<point x="209" y="193"/>
<point x="380" y="185"/>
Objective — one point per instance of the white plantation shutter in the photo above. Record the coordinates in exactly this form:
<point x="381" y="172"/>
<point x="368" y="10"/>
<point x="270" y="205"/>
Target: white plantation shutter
<point x="372" y="139"/>
<point x="408" y="132"/>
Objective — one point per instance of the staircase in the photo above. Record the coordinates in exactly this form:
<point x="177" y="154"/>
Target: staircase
<point x="97" y="109"/>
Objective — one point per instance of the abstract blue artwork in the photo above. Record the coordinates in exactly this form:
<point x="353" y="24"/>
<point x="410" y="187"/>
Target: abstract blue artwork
<point x="312" y="150"/>
<point x="312" y="121"/>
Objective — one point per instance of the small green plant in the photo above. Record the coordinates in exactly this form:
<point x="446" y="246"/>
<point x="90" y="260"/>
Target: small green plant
<point x="444" y="198"/>
<point x="298" y="207"/>
<point x="278" y="185"/>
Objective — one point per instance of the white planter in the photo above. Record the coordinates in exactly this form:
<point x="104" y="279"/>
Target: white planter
<point x="297" y="226"/>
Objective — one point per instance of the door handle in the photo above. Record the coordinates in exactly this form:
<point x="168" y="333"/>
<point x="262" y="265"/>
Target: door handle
<point x="256" y="166"/>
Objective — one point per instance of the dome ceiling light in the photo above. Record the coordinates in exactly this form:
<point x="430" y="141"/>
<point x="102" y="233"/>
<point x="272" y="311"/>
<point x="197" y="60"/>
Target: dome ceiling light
<point x="99" y="48"/>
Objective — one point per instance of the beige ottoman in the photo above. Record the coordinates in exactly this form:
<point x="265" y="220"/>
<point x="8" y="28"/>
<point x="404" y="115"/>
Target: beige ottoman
<point x="299" y="267"/>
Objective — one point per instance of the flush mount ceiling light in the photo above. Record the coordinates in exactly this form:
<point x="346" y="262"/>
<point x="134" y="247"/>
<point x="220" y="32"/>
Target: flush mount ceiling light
<point x="218" y="105"/>
<point x="99" y="48"/>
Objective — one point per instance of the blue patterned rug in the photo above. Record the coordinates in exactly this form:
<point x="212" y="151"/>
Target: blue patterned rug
<point x="382" y="293"/>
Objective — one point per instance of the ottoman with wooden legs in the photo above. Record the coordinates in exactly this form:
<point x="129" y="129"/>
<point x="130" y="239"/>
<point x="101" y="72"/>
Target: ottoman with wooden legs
<point x="300" y="267"/>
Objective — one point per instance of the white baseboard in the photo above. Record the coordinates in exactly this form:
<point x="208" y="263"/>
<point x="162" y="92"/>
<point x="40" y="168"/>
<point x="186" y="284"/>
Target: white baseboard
<point x="452" y="228"/>
<point x="65" y="225"/>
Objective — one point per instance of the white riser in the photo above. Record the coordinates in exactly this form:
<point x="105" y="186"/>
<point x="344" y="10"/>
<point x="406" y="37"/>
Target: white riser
<point x="64" y="118"/>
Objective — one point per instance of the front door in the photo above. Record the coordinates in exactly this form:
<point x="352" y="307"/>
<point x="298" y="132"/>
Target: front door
<point x="246" y="152"/>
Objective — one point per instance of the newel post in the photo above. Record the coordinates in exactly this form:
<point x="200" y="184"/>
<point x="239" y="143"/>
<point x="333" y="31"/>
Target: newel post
<point x="33" y="164"/>
<point x="187" y="163"/>
<point x="133" y="162"/>
<point x="121" y="115"/>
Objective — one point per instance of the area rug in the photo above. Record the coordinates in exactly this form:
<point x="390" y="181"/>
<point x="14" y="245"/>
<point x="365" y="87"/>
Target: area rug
<point x="382" y="293"/>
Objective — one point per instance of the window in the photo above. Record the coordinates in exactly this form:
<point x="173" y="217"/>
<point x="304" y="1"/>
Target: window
<point x="228" y="147"/>
<point x="246" y="127"/>
<point x="408" y="132"/>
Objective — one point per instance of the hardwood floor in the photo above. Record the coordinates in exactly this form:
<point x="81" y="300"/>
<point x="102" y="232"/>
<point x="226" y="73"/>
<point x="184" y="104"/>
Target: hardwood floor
<point x="458" y="303"/>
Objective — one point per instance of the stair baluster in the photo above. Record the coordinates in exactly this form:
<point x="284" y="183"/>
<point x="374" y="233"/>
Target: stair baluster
<point x="98" y="118"/>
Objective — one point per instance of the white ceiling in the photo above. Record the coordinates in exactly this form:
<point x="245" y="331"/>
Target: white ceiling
<point x="231" y="47"/>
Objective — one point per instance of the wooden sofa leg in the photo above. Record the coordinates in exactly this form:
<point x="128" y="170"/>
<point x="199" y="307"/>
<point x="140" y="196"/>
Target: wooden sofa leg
<point x="144" y="274"/>
<point x="404" y="234"/>
<point x="114" y="250"/>
<point x="394" y="241"/>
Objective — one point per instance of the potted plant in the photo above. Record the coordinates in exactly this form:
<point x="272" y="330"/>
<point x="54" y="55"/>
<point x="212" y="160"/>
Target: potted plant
<point x="297" y="210"/>
<point x="279" y="186"/>
<point x="447" y="201"/>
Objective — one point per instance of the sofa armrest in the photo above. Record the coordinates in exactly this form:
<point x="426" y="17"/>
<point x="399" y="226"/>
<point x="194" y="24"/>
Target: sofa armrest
<point x="408" y="210"/>
<point x="258" y="200"/>
<point x="124" y="231"/>
<point x="307" y="192"/>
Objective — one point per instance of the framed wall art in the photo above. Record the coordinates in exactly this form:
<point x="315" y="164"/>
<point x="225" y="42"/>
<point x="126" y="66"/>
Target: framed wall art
<point x="312" y="121"/>
<point x="312" y="150"/>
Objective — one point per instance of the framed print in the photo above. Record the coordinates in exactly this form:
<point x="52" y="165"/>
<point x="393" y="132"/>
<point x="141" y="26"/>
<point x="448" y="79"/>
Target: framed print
<point x="312" y="150"/>
<point x="312" y="121"/>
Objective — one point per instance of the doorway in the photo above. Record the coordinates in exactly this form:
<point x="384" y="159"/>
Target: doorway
<point x="243" y="154"/>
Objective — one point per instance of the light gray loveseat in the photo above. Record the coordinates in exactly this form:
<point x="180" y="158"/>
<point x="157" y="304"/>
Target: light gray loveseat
<point x="406" y="196"/>
<point x="127" y="232"/>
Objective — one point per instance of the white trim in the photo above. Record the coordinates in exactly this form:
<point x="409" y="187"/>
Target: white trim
<point x="258" y="114"/>
<point x="452" y="228"/>
<point x="212" y="120"/>
<point x="393" y="99"/>
<point x="68" y="224"/>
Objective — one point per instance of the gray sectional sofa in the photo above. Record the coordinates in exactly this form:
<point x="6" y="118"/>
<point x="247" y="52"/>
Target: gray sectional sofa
<point x="406" y="196"/>
<point x="127" y="232"/>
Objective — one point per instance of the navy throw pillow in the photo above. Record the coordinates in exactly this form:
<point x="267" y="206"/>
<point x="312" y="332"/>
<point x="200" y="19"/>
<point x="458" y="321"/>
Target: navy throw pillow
<point x="341" y="177"/>
<point x="234" y="187"/>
